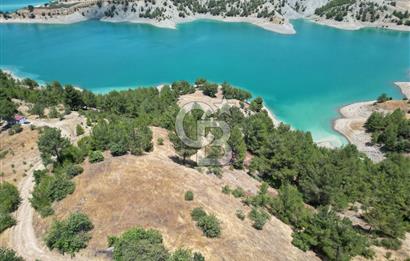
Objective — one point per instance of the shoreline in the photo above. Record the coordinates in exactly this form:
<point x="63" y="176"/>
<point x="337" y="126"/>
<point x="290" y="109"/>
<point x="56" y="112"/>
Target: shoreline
<point x="350" y="125"/>
<point x="285" y="28"/>
<point x="404" y="88"/>
<point x="357" y="25"/>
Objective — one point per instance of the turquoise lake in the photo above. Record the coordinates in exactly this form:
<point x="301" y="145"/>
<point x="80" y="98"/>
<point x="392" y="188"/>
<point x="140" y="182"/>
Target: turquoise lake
<point x="303" y="78"/>
<point x="13" y="5"/>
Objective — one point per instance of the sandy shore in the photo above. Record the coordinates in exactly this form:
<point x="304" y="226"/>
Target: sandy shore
<point x="351" y="126"/>
<point x="286" y="28"/>
<point x="404" y="88"/>
<point x="356" y="25"/>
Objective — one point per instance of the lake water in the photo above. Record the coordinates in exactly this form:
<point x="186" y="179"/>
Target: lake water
<point x="303" y="78"/>
<point x="13" y="5"/>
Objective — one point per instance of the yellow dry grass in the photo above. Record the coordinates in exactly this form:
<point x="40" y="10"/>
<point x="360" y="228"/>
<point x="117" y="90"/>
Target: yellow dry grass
<point x="21" y="151"/>
<point x="148" y="191"/>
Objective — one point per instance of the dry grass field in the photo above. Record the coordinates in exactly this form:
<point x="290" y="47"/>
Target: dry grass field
<point x="148" y="191"/>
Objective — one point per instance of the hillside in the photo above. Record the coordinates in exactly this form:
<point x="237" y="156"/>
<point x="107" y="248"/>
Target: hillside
<point x="126" y="165"/>
<point x="149" y="191"/>
<point x="270" y="14"/>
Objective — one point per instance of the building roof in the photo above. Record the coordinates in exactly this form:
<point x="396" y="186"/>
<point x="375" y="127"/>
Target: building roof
<point x="19" y="117"/>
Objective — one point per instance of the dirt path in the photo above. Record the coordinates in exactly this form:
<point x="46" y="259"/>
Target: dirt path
<point x="23" y="238"/>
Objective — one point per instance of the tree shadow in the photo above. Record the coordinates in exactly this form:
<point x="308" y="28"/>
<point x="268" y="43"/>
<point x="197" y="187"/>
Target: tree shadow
<point x="188" y="162"/>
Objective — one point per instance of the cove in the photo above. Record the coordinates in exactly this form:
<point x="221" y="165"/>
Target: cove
<point x="303" y="78"/>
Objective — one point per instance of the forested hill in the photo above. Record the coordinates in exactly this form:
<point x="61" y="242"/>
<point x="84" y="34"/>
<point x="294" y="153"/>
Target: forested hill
<point x="330" y="180"/>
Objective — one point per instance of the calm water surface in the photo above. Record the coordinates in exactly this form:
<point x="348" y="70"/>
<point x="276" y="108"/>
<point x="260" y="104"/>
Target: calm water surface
<point x="304" y="78"/>
<point x="13" y="5"/>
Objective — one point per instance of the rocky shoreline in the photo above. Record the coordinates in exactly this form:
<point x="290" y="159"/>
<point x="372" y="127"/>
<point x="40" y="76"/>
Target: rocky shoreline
<point x="351" y="124"/>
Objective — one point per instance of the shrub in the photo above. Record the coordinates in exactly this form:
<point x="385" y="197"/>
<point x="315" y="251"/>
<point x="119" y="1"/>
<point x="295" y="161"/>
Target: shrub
<point x="3" y="154"/>
<point x="38" y="109"/>
<point x="210" y="89"/>
<point x="226" y="190"/>
<point x="95" y="156"/>
<point x="198" y="257"/>
<point x="197" y="213"/>
<point x="6" y="221"/>
<point x="60" y="187"/>
<point x="53" y="113"/>
<point x="10" y="198"/>
<point x="48" y="190"/>
<point x="383" y="98"/>
<point x="238" y="192"/>
<point x="16" y="128"/>
<point x="189" y="196"/>
<point x="74" y="170"/>
<point x="181" y="255"/>
<point x="160" y="141"/>
<point x="210" y="226"/>
<point x="391" y="243"/>
<point x="118" y="149"/>
<point x="70" y="235"/>
<point x="139" y="244"/>
<point x="239" y="213"/>
<point x="259" y="218"/>
<point x="9" y="255"/>
<point x="79" y="130"/>
<point x="38" y="175"/>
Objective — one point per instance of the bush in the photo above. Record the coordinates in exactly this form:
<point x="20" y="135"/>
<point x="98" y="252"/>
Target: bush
<point x="259" y="218"/>
<point x="210" y="89"/>
<point x="239" y="213"/>
<point x="79" y="130"/>
<point x="74" y="170"/>
<point x="38" y="175"/>
<point x="198" y="257"/>
<point x="210" y="226"/>
<point x="139" y="244"/>
<point x="60" y="187"/>
<point x="53" y="113"/>
<point x="226" y="190"/>
<point x="16" y="128"/>
<point x="383" y="98"/>
<point x="160" y="141"/>
<point x="186" y="255"/>
<point x="181" y="255"/>
<point x="391" y="243"/>
<point x="10" y="198"/>
<point x="238" y="192"/>
<point x="9" y="255"/>
<point x="70" y="235"/>
<point x="6" y="221"/>
<point x="95" y="156"/>
<point x="189" y="196"/>
<point x="48" y="190"/>
<point x="197" y="213"/>
<point x="118" y="149"/>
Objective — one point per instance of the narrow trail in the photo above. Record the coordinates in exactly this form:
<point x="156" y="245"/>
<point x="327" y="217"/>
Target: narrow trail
<point x="23" y="238"/>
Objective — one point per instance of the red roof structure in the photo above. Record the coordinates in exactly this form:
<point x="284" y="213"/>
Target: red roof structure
<point x="19" y="117"/>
